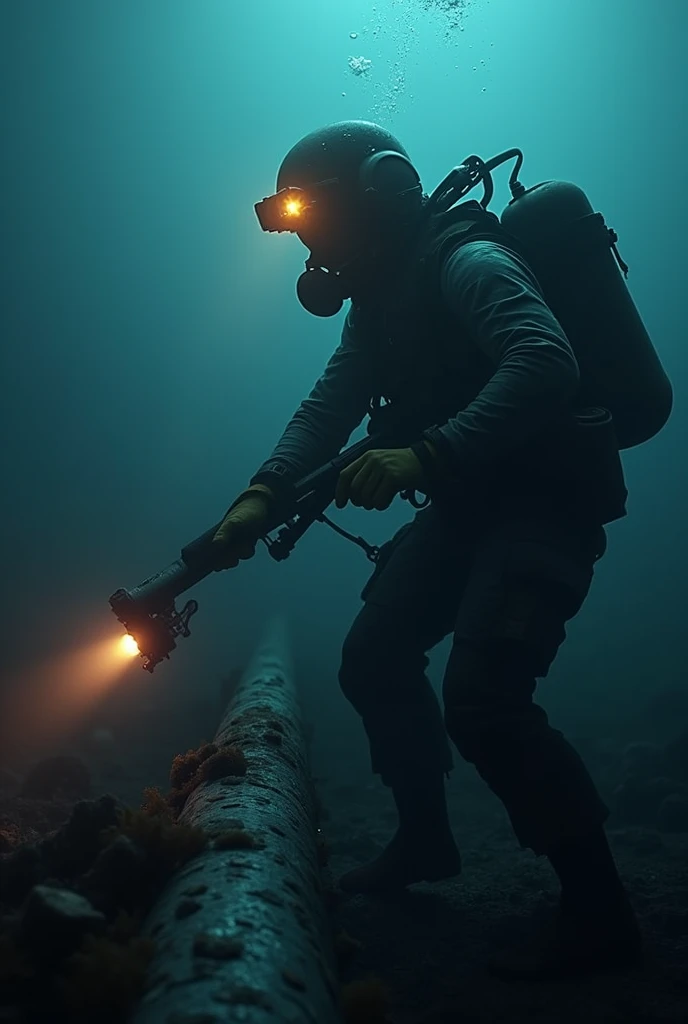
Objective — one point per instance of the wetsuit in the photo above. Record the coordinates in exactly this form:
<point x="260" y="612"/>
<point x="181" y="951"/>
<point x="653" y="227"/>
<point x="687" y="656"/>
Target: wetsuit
<point x="503" y="574"/>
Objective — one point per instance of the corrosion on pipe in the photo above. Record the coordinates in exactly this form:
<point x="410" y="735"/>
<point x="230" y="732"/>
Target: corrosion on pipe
<point x="241" y="931"/>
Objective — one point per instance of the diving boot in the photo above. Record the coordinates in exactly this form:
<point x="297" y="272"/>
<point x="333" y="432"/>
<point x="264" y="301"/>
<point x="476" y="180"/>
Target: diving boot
<point x="575" y="944"/>
<point x="429" y="856"/>
<point x="423" y="849"/>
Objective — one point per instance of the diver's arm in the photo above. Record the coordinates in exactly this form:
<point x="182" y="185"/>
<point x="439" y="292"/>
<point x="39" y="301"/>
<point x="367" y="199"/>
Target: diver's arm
<point x="325" y="420"/>
<point x="495" y="297"/>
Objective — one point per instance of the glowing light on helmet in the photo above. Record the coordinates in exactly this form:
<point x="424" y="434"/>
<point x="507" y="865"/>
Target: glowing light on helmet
<point x="293" y="207"/>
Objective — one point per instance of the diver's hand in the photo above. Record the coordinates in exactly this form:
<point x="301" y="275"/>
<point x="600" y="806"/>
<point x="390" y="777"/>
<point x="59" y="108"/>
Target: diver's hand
<point x="373" y="480"/>
<point x="242" y="527"/>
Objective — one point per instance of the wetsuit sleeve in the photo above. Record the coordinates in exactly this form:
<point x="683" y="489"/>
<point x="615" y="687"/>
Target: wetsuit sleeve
<point x="498" y="304"/>
<point x="325" y="420"/>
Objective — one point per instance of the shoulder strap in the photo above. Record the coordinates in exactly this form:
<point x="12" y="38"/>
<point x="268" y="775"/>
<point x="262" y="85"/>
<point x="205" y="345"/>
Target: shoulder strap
<point x="468" y="222"/>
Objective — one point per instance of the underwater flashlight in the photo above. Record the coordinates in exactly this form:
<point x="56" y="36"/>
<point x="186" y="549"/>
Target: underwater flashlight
<point x="129" y="645"/>
<point x="151" y="628"/>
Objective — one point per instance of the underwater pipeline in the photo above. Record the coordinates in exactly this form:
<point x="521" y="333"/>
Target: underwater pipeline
<point x="241" y="932"/>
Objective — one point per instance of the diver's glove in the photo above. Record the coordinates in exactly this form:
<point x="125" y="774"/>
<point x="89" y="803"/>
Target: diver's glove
<point x="242" y="526"/>
<point x="373" y="480"/>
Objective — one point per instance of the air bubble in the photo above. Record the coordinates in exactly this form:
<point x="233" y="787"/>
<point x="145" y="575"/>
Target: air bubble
<point x="353" y="35"/>
<point x="360" y="65"/>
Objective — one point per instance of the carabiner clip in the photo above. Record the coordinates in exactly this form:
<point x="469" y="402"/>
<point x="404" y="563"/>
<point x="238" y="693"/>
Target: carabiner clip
<point x="410" y="496"/>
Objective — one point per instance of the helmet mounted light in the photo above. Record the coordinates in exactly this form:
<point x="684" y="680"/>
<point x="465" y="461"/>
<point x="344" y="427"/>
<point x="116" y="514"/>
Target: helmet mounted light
<point x="351" y="195"/>
<point x="289" y="208"/>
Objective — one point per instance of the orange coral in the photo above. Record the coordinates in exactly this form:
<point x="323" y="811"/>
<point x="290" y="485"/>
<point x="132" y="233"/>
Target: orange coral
<point x="185" y="766"/>
<point x="167" y="844"/>
<point x="155" y="802"/>
<point x="10" y="836"/>
<point x="225" y="761"/>
<point x="206" y="764"/>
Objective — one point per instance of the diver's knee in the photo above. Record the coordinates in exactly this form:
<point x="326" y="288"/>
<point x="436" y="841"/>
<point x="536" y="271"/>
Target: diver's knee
<point x="466" y="732"/>
<point x="379" y="655"/>
<point x="362" y="654"/>
<point x="487" y="692"/>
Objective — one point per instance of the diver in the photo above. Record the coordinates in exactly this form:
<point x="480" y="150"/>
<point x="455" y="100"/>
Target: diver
<point x="449" y="339"/>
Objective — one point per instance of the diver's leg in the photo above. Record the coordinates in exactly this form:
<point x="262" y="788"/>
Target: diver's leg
<point x="527" y="581"/>
<point x="407" y="611"/>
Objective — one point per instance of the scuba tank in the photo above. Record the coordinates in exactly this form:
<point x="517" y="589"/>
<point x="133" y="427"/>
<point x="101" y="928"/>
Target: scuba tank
<point x="574" y="257"/>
